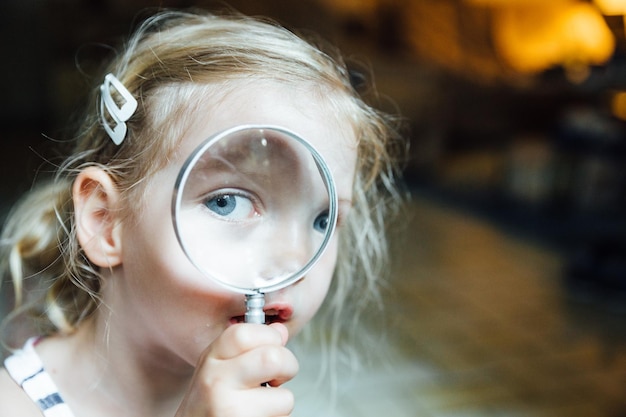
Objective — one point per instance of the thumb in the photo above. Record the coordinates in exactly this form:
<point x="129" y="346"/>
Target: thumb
<point x="282" y="329"/>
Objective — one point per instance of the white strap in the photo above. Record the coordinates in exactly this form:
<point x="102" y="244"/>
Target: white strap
<point x="25" y="367"/>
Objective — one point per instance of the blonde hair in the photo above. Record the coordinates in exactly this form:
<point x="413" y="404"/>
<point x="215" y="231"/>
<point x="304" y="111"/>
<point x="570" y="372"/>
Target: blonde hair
<point x="170" y="63"/>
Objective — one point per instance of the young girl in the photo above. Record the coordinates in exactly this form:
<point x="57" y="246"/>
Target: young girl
<point x="124" y="327"/>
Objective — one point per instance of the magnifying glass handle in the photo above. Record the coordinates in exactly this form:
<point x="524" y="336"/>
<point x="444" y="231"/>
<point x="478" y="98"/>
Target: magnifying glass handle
<point x="254" y="308"/>
<point x="254" y="312"/>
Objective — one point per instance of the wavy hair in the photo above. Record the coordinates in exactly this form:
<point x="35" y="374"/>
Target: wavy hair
<point x="171" y="62"/>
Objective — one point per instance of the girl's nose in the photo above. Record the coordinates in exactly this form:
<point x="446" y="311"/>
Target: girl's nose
<point x="288" y="251"/>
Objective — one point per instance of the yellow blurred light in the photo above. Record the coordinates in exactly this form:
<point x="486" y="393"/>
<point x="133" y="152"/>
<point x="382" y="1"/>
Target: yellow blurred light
<point x="523" y="38"/>
<point x="509" y="3"/>
<point x="586" y="36"/>
<point x="536" y="37"/>
<point x="611" y="7"/>
<point x="618" y="105"/>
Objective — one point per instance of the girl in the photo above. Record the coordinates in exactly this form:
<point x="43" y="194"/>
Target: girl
<point x="123" y="326"/>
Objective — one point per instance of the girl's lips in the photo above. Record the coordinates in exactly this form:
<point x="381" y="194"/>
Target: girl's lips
<point x="275" y="312"/>
<point x="278" y="312"/>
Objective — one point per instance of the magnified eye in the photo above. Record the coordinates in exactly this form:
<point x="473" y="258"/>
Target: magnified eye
<point x="231" y="206"/>
<point x="321" y="222"/>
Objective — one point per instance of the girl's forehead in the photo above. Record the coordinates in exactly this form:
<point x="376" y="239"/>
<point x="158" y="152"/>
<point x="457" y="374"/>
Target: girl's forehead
<point x="302" y="109"/>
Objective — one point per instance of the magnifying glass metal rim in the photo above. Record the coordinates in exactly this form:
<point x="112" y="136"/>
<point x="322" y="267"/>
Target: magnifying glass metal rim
<point x="328" y="182"/>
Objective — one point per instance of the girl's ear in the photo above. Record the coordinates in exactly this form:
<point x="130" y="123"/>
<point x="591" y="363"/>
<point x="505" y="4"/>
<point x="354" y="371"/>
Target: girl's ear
<point x="98" y="228"/>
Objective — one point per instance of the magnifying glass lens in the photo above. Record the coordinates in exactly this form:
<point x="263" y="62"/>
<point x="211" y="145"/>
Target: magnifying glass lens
<point x="254" y="208"/>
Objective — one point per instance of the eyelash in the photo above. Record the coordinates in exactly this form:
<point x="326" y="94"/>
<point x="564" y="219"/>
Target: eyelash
<point x="230" y="192"/>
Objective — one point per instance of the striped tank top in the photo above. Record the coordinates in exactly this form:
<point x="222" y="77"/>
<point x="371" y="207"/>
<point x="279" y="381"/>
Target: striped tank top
<point x="25" y="367"/>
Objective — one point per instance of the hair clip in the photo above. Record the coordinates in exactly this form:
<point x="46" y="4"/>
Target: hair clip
<point x="117" y="114"/>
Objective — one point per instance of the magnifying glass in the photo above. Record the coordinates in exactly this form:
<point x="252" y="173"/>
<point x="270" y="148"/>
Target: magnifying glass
<point x="254" y="207"/>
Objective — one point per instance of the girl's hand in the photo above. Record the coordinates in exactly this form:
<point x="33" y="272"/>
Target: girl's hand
<point x="229" y="378"/>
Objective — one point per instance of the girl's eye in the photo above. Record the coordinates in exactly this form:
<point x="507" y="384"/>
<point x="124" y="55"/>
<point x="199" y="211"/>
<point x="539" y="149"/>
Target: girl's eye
<point x="321" y="222"/>
<point x="231" y="206"/>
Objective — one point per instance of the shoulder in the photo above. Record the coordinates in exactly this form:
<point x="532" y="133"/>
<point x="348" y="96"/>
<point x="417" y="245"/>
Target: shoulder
<point x="14" y="401"/>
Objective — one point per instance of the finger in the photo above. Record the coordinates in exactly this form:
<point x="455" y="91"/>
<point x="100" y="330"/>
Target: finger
<point x="282" y="329"/>
<point x="256" y="402"/>
<point x="270" y="401"/>
<point x="241" y="338"/>
<point x="272" y="364"/>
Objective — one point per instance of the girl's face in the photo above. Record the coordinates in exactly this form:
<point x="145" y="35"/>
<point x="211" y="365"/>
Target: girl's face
<point x="169" y="306"/>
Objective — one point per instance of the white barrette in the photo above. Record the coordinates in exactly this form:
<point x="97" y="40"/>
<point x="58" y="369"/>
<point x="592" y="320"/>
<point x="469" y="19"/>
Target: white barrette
<point x="117" y="114"/>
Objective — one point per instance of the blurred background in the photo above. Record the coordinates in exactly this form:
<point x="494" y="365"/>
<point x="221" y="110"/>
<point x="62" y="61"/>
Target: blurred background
<point x="508" y="292"/>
